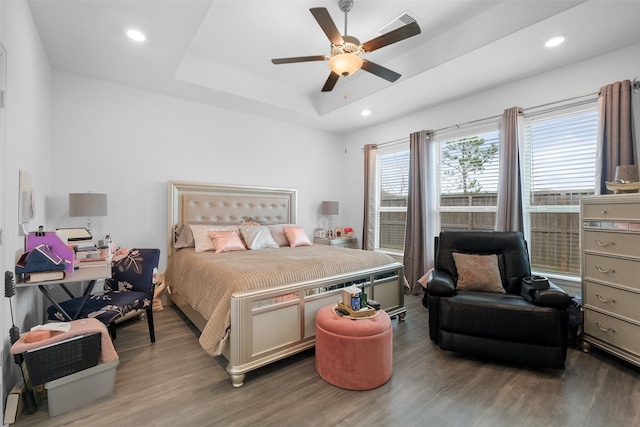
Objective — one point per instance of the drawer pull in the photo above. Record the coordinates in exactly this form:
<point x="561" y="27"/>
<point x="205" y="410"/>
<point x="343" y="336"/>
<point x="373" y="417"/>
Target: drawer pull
<point x="599" y="243"/>
<point x="602" y="270"/>
<point x="604" y="299"/>
<point x="605" y="329"/>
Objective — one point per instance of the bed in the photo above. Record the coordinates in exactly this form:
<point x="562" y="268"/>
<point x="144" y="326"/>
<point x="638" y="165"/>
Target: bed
<point x="258" y="306"/>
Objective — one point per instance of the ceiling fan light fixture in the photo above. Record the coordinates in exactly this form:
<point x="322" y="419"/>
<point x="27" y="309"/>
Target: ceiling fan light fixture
<point x="345" y="64"/>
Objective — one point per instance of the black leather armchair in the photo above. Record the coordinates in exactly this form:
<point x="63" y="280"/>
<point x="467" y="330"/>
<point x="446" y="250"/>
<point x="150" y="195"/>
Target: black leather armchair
<point x="520" y="327"/>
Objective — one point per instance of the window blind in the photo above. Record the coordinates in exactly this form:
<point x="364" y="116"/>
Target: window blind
<point x="559" y="168"/>
<point x="393" y="190"/>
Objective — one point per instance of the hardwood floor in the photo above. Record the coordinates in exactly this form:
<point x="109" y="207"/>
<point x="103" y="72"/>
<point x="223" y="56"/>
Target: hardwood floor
<point x="175" y="383"/>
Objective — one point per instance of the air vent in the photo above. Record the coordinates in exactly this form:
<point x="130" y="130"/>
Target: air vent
<point x="406" y="17"/>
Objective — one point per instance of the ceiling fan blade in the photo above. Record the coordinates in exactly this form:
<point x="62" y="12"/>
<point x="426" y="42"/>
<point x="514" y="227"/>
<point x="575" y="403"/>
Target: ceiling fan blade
<point x="326" y="23"/>
<point x="331" y="82"/>
<point x="391" y="37"/>
<point x="380" y="71"/>
<point x="299" y="59"/>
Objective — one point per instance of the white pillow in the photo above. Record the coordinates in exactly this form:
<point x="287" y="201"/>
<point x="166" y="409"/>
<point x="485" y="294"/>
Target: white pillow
<point x="257" y="237"/>
<point x="201" y="238"/>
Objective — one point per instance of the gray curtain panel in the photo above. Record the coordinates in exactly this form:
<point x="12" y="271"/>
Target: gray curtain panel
<point x="635" y="106"/>
<point x="509" y="210"/>
<point x="368" y="231"/>
<point x="615" y="134"/>
<point x="419" y="235"/>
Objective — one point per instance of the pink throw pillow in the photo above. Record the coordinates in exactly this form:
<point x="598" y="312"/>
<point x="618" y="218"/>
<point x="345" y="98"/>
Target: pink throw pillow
<point x="296" y="236"/>
<point x="226" y="241"/>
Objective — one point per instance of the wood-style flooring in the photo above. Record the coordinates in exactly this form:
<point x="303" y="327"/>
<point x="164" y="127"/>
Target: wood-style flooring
<point x="175" y="383"/>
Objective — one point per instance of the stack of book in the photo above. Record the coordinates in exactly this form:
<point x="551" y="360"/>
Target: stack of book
<point x="88" y="255"/>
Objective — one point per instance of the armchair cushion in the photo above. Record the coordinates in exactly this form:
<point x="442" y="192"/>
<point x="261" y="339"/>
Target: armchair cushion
<point x="478" y="272"/>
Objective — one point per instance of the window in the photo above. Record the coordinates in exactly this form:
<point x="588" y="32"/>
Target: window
<point x="559" y="168"/>
<point x="392" y="192"/>
<point x="467" y="179"/>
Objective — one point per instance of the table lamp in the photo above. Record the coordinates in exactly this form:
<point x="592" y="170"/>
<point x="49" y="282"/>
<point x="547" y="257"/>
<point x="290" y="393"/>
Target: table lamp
<point x="87" y="205"/>
<point x="329" y="209"/>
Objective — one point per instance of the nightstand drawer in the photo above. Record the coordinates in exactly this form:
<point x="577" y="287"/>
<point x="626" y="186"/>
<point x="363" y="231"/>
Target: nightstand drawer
<point x="612" y="211"/>
<point x="618" y="271"/>
<point x="612" y="243"/>
<point x="613" y="331"/>
<point x="340" y="242"/>
<point x="613" y="300"/>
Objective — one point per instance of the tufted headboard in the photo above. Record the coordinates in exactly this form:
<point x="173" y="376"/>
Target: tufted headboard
<point x="197" y="202"/>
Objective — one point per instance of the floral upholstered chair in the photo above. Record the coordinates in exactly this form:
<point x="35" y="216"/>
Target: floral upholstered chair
<point x="129" y="288"/>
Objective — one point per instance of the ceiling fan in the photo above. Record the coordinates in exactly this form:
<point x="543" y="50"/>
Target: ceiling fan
<point x="345" y="50"/>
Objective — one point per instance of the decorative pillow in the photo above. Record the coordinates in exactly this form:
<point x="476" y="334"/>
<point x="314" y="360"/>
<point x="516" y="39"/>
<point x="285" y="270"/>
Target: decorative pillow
<point x="278" y="233"/>
<point x="226" y="241"/>
<point x="257" y="237"/>
<point x="478" y="273"/>
<point x="296" y="236"/>
<point x="202" y="240"/>
<point x="183" y="237"/>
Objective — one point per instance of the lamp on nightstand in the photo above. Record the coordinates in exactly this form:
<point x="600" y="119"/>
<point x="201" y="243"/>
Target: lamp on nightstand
<point x="329" y="209"/>
<point x="87" y="205"/>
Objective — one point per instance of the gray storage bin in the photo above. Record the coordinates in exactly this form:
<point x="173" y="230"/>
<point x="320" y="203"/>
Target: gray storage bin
<point x="81" y="388"/>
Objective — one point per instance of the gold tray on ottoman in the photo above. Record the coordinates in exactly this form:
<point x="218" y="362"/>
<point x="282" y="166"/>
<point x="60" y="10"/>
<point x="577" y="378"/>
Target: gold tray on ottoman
<point x="362" y="313"/>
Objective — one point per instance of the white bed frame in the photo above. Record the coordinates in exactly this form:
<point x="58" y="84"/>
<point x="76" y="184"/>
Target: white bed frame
<point x="253" y="341"/>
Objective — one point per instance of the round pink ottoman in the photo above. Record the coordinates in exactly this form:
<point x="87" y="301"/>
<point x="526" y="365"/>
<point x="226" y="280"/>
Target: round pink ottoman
<point x="355" y="354"/>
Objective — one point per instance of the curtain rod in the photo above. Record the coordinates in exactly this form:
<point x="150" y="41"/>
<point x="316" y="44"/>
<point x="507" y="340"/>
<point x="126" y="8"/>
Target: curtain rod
<point x="634" y="84"/>
<point x="524" y="109"/>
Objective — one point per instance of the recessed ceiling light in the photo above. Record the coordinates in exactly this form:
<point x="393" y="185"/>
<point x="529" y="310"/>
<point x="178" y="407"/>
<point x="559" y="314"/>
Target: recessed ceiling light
<point x="365" y="112"/>
<point x="136" y="35"/>
<point x="554" y="41"/>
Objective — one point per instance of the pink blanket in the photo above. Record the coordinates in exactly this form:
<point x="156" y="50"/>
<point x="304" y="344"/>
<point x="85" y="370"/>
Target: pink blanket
<point x="78" y="327"/>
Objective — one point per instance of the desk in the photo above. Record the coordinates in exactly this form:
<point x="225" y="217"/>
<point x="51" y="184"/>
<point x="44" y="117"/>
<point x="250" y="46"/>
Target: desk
<point x="90" y="275"/>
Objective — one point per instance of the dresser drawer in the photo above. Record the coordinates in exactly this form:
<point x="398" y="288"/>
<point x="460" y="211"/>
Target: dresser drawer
<point x="627" y="244"/>
<point x="613" y="331"/>
<point x="612" y="211"/>
<point x="612" y="270"/>
<point x="614" y="300"/>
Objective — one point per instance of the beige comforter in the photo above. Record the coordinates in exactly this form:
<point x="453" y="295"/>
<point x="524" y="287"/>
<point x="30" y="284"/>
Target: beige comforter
<point x="207" y="280"/>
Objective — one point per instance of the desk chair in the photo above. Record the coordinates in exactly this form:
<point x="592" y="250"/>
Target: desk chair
<point x="129" y="288"/>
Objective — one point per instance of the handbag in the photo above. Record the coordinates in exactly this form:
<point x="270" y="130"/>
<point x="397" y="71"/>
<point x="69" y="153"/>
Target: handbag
<point x="40" y="258"/>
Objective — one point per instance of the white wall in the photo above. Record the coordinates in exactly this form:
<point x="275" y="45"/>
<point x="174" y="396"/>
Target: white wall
<point x="563" y="83"/>
<point x="28" y="137"/>
<point x="128" y="143"/>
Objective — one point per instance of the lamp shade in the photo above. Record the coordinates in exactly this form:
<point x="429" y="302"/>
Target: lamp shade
<point x="345" y="64"/>
<point x="329" y="208"/>
<point x="87" y="204"/>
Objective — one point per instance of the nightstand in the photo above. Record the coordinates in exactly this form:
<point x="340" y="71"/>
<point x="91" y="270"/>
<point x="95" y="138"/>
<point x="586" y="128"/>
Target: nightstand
<point x="341" y="242"/>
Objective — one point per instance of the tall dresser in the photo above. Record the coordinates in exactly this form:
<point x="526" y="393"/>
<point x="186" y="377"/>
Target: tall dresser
<point x="611" y="273"/>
